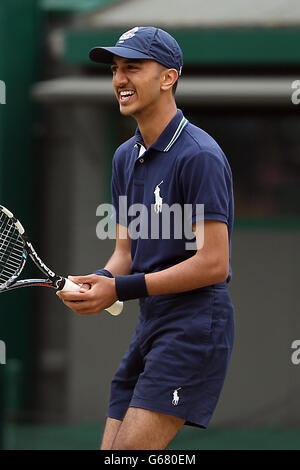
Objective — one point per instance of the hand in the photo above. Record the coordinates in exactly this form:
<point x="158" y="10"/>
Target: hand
<point x="96" y="294"/>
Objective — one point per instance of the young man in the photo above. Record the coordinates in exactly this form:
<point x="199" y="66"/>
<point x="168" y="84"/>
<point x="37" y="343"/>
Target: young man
<point x="174" y="369"/>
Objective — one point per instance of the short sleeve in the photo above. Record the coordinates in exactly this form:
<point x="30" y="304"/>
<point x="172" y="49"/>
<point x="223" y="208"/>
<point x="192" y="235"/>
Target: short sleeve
<point x="206" y="180"/>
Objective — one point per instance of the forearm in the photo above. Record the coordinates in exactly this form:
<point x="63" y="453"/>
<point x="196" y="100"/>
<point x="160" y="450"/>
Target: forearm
<point x="119" y="263"/>
<point x="197" y="271"/>
<point x="208" y="266"/>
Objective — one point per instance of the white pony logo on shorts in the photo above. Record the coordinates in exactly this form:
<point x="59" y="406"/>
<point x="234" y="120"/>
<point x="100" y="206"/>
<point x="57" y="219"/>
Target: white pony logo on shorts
<point x="129" y="34"/>
<point x="175" y="400"/>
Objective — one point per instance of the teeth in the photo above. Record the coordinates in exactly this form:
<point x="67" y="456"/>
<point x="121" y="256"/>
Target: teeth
<point x="126" y="93"/>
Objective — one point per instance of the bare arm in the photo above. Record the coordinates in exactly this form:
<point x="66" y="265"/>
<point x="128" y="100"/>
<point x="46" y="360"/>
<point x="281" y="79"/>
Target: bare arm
<point x="102" y="291"/>
<point x="120" y="262"/>
<point x="208" y="266"/>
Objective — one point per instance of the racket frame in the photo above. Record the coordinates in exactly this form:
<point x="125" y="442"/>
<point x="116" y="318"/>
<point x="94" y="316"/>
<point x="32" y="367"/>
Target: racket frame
<point x="53" y="280"/>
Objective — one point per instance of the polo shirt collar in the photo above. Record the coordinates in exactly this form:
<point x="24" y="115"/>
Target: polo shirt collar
<point x="169" y="135"/>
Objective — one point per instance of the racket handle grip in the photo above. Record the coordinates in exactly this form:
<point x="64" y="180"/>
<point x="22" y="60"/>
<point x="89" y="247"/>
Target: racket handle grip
<point x="71" y="286"/>
<point x="114" y="309"/>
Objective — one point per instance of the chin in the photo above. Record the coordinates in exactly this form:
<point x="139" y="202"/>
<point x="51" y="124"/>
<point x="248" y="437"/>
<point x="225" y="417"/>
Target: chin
<point x="129" y="111"/>
<point x="134" y="108"/>
<point x="125" y="111"/>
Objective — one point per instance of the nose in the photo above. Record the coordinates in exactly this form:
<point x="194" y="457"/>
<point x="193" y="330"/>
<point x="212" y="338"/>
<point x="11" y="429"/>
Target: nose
<point x="120" y="78"/>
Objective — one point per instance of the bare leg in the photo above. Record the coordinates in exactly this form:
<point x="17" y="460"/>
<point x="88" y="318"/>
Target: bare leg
<point x="145" y="429"/>
<point x="111" y="429"/>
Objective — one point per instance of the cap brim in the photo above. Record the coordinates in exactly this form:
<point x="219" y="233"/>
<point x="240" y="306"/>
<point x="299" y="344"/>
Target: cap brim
<point x="105" y="55"/>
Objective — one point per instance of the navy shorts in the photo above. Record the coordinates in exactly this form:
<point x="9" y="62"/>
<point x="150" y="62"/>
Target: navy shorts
<point x="178" y="356"/>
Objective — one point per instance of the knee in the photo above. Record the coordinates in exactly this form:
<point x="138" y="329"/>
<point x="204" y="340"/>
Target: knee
<point x="121" y="443"/>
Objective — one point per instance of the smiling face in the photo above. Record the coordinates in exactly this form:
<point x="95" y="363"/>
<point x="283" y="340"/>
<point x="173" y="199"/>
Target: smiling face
<point x="137" y="84"/>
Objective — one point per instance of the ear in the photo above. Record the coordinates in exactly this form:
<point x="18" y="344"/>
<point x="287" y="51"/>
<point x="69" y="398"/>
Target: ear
<point x="168" y="78"/>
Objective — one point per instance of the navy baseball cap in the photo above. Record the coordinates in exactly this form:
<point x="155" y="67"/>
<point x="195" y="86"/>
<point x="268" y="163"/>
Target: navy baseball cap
<point x="143" y="42"/>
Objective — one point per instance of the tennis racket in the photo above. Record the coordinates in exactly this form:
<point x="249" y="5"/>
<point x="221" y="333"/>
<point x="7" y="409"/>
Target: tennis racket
<point x="15" y="248"/>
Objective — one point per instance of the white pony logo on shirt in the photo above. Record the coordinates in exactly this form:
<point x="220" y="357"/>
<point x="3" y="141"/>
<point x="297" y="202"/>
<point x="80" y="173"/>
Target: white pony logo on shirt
<point x="158" y="198"/>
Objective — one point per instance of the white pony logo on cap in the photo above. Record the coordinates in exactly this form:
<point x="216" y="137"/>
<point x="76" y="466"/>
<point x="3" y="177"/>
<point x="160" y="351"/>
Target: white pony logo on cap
<point x="129" y="34"/>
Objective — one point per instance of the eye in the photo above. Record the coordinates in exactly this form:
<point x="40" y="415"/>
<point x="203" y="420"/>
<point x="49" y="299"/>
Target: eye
<point x="113" y="69"/>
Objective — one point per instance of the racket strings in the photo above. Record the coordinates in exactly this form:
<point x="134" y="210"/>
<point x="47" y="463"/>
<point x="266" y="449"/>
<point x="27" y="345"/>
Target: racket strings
<point x="11" y="249"/>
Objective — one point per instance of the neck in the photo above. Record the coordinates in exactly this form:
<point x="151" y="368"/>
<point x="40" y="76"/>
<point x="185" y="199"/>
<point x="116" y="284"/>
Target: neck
<point x="153" y="121"/>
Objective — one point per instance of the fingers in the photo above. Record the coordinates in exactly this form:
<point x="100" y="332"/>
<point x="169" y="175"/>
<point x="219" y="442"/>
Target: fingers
<point x="85" y="287"/>
<point x="86" y="284"/>
<point x="78" y="302"/>
<point x="96" y="294"/>
<point x="73" y="296"/>
<point x="83" y="308"/>
<point x="89" y="279"/>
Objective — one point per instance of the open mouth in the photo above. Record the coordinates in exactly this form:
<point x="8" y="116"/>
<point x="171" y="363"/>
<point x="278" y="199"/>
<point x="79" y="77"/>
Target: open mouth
<point x="126" y="95"/>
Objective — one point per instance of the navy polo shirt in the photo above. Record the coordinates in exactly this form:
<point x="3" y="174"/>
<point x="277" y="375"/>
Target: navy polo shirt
<point x="185" y="166"/>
